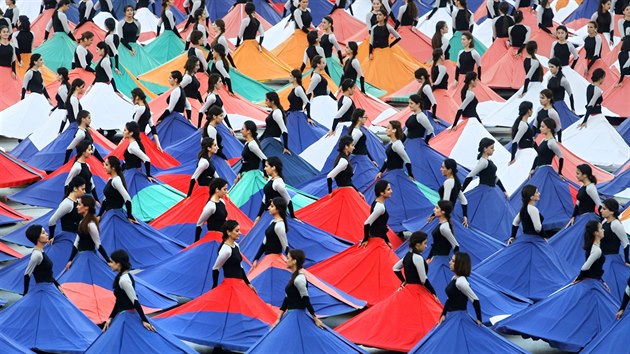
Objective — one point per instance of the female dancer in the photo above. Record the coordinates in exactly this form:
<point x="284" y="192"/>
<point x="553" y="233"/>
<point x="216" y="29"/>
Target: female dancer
<point x="86" y="12"/>
<point x="546" y="110"/>
<point x="209" y="130"/>
<point x="67" y="209"/>
<point x="425" y="92"/>
<point x="84" y="119"/>
<point x="177" y="101"/>
<point x="142" y="115"/>
<point x="319" y="84"/>
<point x="64" y="86"/>
<point x="407" y="14"/>
<point x="298" y="100"/>
<point x="616" y="269"/>
<point x="219" y="29"/>
<point x="250" y="26"/>
<point x="302" y="17"/>
<point x="112" y="39"/>
<point x="213" y="99"/>
<point x="361" y="159"/>
<point x="485" y="168"/>
<point x="328" y="41"/>
<point x="24" y="37"/>
<point x="443" y="237"/>
<point x="88" y="236"/>
<point x="592" y="46"/>
<point x="587" y="197"/>
<point x="252" y="153"/>
<point x="275" y="187"/>
<point x="12" y="13"/>
<point x="72" y="104"/>
<point x="544" y="16"/>
<point x="115" y="191"/>
<point x="594" y="264"/>
<point x="352" y="66"/>
<point x="39" y="265"/>
<point x="106" y="6"/>
<point x="196" y="41"/>
<point x="167" y="19"/>
<point x="467" y="58"/>
<point x="396" y="154"/>
<point x="559" y="85"/>
<point x="502" y="23"/>
<point x="439" y="75"/>
<point x="624" y="22"/>
<point x="59" y="21"/>
<point x="296" y="292"/>
<point x="376" y="224"/>
<point x="605" y="19"/>
<point x="214" y="212"/>
<point x="439" y="40"/>
<point x="522" y="133"/>
<point x="190" y="83"/>
<point x="230" y="257"/>
<point x="377" y="5"/>
<point x="200" y="19"/>
<point x="416" y="268"/>
<point x="33" y="81"/>
<point x="342" y="172"/>
<point x="451" y="189"/>
<point x="345" y="106"/>
<point x="82" y="56"/>
<point x="379" y="35"/>
<point x="135" y="155"/>
<point x="548" y="147"/>
<point x="82" y="169"/>
<point x="459" y="288"/>
<point x="275" y="241"/>
<point x="623" y="59"/>
<point x="529" y="215"/>
<point x="312" y="50"/>
<point x="221" y="66"/>
<point x="103" y="69"/>
<point x="468" y="108"/>
<point x="418" y="125"/>
<point x="562" y="50"/>
<point x="276" y="121"/>
<point x="594" y="95"/>
<point x="197" y="5"/>
<point x="124" y="290"/>
<point x="533" y="69"/>
<point x="129" y="29"/>
<point x="205" y="171"/>
<point x="463" y="19"/>
<point x="519" y="34"/>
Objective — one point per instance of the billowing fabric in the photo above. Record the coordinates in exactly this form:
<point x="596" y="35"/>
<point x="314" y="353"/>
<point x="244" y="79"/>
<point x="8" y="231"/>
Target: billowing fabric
<point x="10" y="90"/>
<point x="188" y="149"/>
<point x="210" y="320"/>
<point x="150" y="199"/>
<point x="34" y="106"/>
<point x="179" y="177"/>
<point x="16" y="173"/>
<point x="296" y="170"/>
<point x="609" y="150"/>
<point x="159" y="159"/>
<point x="569" y="319"/>
<point x="47" y="75"/>
<point x="272" y="273"/>
<point x="126" y="334"/>
<point x="446" y="107"/>
<point x="611" y="339"/>
<point x="363" y="177"/>
<point x="88" y="285"/>
<point x="107" y="109"/>
<point x="57" y="51"/>
<point x="616" y="274"/>
<point x="348" y="28"/>
<point x="336" y="70"/>
<point x="10" y="216"/>
<point x="426" y="163"/>
<point x="236" y="15"/>
<point x="365" y="273"/>
<point x="390" y="68"/>
<point x="616" y="186"/>
<point x="318" y="245"/>
<point x="569" y="242"/>
<point x="387" y="325"/>
<point x="416" y="43"/>
<point x="165" y="47"/>
<point x="291" y="51"/>
<point x="140" y="63"/>
<point x="529" y="267"/>
<point x="34" y="323"/>
<point x="261" y="66"/>
<point x="301" y="132"/>
<point x="489" y="211"/>
<point x="297" y="333"/>
<point x="616" y="101"/>
<point x="502" y="68"/>
<point x="459" y="334"/>
<point x="556" y="197"/>
<point x="146" y="245"/>
<point x="9" y="346"/>
<point x="173" y="129"/>
<point x="99" y="36"/>
<point x="50" y="191"/>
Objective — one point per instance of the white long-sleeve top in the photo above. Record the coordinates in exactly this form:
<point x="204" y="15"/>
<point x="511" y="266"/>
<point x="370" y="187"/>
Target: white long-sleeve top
<point x="534" y="214"/>
<point x="418" y="262"/>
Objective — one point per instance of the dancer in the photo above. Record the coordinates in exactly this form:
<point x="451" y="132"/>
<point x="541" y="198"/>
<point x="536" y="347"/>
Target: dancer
<point x="115" y="191"/>
<point x="467" y="58"/>
<point x="221" y="66"/>
<point x="195" y="50"/>
<point x="379" y="35"/>
<point x="443" y="237"/>
<point x="72" y="104"/>
<point x="559" y="84"/>
<point x="594" y="95"/>
<point x="275" y="187"/>
<point x="328" y="41"/>
<point x="440" y="40"/>
<point x="319" y="84"/>
<point x="624" y="22"/>
<point x="587" y="197"/>
<point x="86" y="12"/>
<point x="112" y="40"/>
<point x="345" y="106"/>
<point x="82" y="56"/>
<point x="88" y="236"/>
<point x="64" y="86"/>
<point x="135" y="154"/>
<point x="84" y="119"/>
<point x="451" y="189"/>
<point x="103" y="69"/>
<point x="376" y="224"/>
<point x="250" y="26"/>
<point x="463" y="19"/>
<point x="605" y="20"/>
<point x="276" y="121"/>
<point x="205" y="172"/>
<point x="418" y="125"/>
<point x="197" y="5"/>
<point x="522" y="133"/>
<point x="214" y="213"/>
<point x="616" y="269"/>
<point x="106" y="6"/>
<point x="592" y="46"/>
<point x="296" y="292"/>
<point x="377" y="5"/>
<point x="519" y="33"/>
<point x="24" y="37"/>
<point x="219" y="30"/>
<point x="468" y="108"/>
<point x="502" y="23"/>
<point x="275" y="240"/>
<point x="124" y="290"/>
<point x="167" y="19"/>
<point x="142" y="115"/>
<point x="199" y="26"/>
<point x="210" y="129"/>
<point x="594" y="264"/>
<point x="427" y="99"/>
<point x="414" y="265"/>
<point x="59" y="21"/>
<point x="546" y="110"/>
<point x="342" y="172"/>
<point x="82" y="169"/>
<point x="230" y="257"/>
<point x="529" y="215"/>
<point x="67" y="209"/>
<point x="33" y="81"/>
<point x="407" y="14"/>
<point x="129" y="29"/>
<point x="298" y="101"/>
<point x="396" y="153"/>
<point x="485" y="168"/>
<point x="623" y="59"/>
<point x="458" y="290"/>
<point x="562" y="50"/>
<point x="177" y="101"/>
<point x="252" y="153"/>
<point x="548" y="147"/>
<point x="190" y="83"/>
<point x="544" y="15"/>
<point x="352" y="66"/>
<point x="533" y="69"/>
<point x="439" y="75"/>
<point x="12" y="12"/>
<point x="39" y="265"/>
<point x="302" y="16"/>
<point x="312" y="50"/>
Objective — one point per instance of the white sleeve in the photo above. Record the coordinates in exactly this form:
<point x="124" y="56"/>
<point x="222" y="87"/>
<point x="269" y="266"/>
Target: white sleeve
<point x="174" y="97"/>
<point x="617" y="228"/>
<point x="320" y="52"/>
<point x="597" y="93"/>
<point x="49" y="25"/>
<point x="553" y="146"/>
<point x="186" y="80"/>
<point x="64" y="208"/>
<point x="357" y="67"/>
<point x="372" y="34"/>
<point x="221" y="68"/>
<point x="534" y="214"/>
<point x="118" y="185"/>
<point x="445" y="44"/>
<point x="171" y="19"/>
<point x="333" y="40"/>
<point x="64" y="21"/>
<point x="261" y="30"/>
<point x="528" y="33"/>
<point x="244" y="25"/>
<point x="88" y="8"/>
<point x="81" y="54"/>
<point x="341" y="165"/>
<point x="475" y="55"/>
<point x="27" y="77"/>
<point x="207" y="212"/>
<point x="300" y="284"/>
<point x="138" y="113"/>
<point x="36" y="259"/>
<point x="517" y="219"/>
<point x="279" y="186"/>
<point x="74" y="171"/>
<point x="106" y="64"/>
<point x="63" y="93"/>
<point x="445" y="230"/>
<point x="110" y="43"/>
<point x="490" y="7"/>
<point x="480" y="166"/>
<point x="591" y="190"/>
<point x="441" y="74"/>
<point x="212" y="132"/>
<point x="281" y="232"/>
<point x="222" y="41"/>
<point x="119" y="28"/>
<point x="356" y="135"/>
<point x="462" y="198"/>
<point x="539" y="13"/>
<point x="598" y="45"/>
<point x="469" y="97"/>
<point x="392" y="31"/>
<point x="94" y="234"/>
<point x="458" y="57"/>
<point x="315" y="79"/>
<point x="621" y="29"/>
<point x="454" y="16"/>
<point x="134" y="148"/>
<point x="126" y="285"/>
<point x="399" y="148"/>
<point x="299" y="91"/>
<point x="532" y="69"/>
<point x="448" y="185"/>
<point x="210" y="100"/>
<point x="426" y="89"/>
<point x="418" y="261"/>
<point x="553" y="114"/>
<point x="462" y="284"/>
<point x="202" y="165"/>
<point x="522" y="129"/>
<point x="379" y="209"/>
<point x="567" y="86"/>
<point x="79" y="136"/>
<point x="345" y="106"/>
<point x="277" y="117"/>
<point x="424" y="121"/>
<point x="398" y="266"/>
<point x="297" y="17"/>
<point x="401" y="12"/>
<point x="255" y="148"/>
<point x="596" y="252"/>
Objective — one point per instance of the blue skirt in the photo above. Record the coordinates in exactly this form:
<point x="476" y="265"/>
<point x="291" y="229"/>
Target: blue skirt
<point x="302" y="134"/>
<point x="296" y="170"/>
<point x="426" y="163"/>
<point x="489" y="211"/>
<point x="567" y="117"/>
<point x="173" y="129"/>
<point x="568" y="243"/>
<point x="613" y="339"/>
<point x="616" y="274"/>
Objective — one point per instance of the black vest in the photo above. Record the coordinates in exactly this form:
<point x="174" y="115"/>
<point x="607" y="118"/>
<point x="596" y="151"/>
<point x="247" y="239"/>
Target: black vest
<point x="181" y="103"/>
<point x="101" y="74"/>
<point x="519" y="33"/>
<point x="610" y="243"/>
<point x="252" y="29"/>
<point x="411" y="273"/>
<point x="85" y="242"/>
<point x="597" y="268"/>
<point x="250" y="160"/>
<point x="232" y="267"/>
<point x="394" y="161"/>
<point x="43" y="272"/>
<point x="295" y="102"/>
<point x="272" y="244"/>
<point x="587" y="205"/>
<point x="86" y="174"/>
<point x="360" y="148"/>
<point x="215" y="221"/>
<point x="488" y="175"/>
<point x="293" y="297"/>
<point x="272" y="129"/>
<point x="528" y="224"/>
<point x="440" y="246"/>
<point x="380" y="37"/>
<point x="207" y="175"/>
<point x="435" y="72"/>
<point x="545" y="154"/>
<point x="326" y="45"/>
<point x="562" y="52"/>
<point x="590" y="92"/>
<point x="123" y="303"/>
<point x="70" y="222"/>
<point x="457" y="300"/>
<point x="114" y="198"/>
<point x="344" y="178"/>
<point x="414" y="129"/>
<point x="379" y="226"/>
<point x="457" y="187"/>
<point x="322" y="87"/>
<point x="348" y="70"/>
<point x="555" y="85"/>
<point x="537" y="76"/>
<point x="36" y="84"/>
